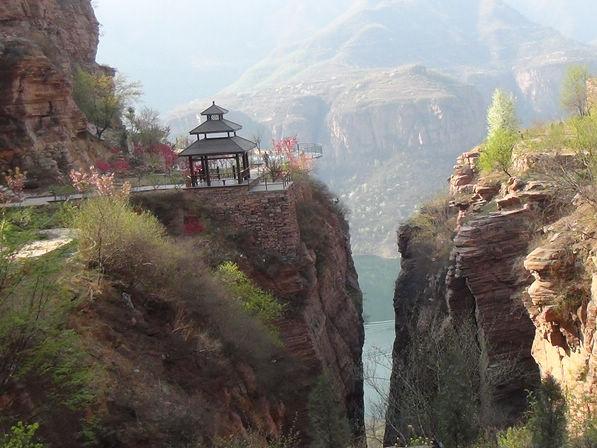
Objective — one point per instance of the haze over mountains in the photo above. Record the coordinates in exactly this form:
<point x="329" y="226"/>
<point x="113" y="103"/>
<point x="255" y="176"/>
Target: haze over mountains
<point x="167" y="49"/>
<point x="395" y="90"/>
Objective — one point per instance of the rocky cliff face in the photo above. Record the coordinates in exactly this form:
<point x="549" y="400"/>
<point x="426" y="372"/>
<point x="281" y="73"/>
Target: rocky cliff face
<point x="521" y="265"/>
<point x="322" y="331"/>
<point x="41" y="42"/>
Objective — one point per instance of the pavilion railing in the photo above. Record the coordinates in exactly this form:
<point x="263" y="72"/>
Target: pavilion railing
<point x="268" y="182"/>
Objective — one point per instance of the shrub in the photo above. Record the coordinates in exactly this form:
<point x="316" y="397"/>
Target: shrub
<point x="433" y="227"/>
<point x="114" y="238"/>
<point x="255" y="440"/>
<point x="21" y="436"/>
<point x="102" y="98"/>
<point x="255" y="301"/>
<point x="497" y="151"/>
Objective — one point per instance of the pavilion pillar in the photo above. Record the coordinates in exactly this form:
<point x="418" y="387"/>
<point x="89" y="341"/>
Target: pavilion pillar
<point x="192" y="172"/>
<point x="246" y="165"/>
<point x="238" y="170"/>
<point x="202" y="168"/>
<point x="207" y="178"/>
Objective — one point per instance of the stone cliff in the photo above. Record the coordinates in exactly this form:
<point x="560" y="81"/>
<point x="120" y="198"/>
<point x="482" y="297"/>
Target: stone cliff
<point x="41" y="43"/>
<point x="518" y="259"/>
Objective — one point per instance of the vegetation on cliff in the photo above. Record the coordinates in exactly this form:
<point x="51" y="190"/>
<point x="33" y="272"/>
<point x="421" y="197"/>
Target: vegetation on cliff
<point x="136" y="336"/>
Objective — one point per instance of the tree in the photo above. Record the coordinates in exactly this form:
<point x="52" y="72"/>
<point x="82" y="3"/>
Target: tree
<point x="547" y="416"/>
<point x="497" y="151"/>
<point x="145" y="128"/>
<point x="328" y="425"/>
<point x="102" y="98"/>
<point x="502" y="113"/>
<point x="574" y="95"/>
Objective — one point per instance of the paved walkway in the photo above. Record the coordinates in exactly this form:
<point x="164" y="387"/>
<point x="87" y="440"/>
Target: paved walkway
<point x="44" y="200"/>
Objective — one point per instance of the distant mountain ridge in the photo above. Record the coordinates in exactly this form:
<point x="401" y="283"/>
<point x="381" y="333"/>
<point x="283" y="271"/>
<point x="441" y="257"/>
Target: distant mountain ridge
<point x="395" y="90"/>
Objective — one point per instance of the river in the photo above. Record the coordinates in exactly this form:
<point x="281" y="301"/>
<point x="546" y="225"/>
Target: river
<point x="377" y="277"/>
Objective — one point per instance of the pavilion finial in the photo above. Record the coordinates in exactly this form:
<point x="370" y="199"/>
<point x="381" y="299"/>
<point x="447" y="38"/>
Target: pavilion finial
<point x="213" y="102"/>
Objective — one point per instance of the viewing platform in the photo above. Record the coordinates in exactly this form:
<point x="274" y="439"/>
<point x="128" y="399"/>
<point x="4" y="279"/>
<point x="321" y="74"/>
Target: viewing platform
<point x="219" y="158"/>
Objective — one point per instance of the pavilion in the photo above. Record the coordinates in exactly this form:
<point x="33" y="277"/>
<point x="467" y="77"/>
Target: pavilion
<point x="222" y="155"/>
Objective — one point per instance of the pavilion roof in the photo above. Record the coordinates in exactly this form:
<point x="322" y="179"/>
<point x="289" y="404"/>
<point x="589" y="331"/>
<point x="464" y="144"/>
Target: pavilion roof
<point x="216" y="126"/>
<point x="218" y="146"/>
<point x="214" y="109"/>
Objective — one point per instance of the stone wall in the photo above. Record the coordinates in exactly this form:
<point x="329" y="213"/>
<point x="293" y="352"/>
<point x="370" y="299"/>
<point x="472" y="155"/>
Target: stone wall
<point x="268" y="216"/>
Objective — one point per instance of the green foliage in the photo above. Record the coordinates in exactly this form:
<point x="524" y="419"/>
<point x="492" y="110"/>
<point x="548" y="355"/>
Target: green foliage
<point x="419" y="441"/>
<point x="327" y="421"/>
<point x="501" y="114"/>
<point x="36" y="344"/>
<point x="21" y="436"/>
<point x="102" y="98"/>
<point x="574" y="95"/>
<point x="21" y="225"/>
<point x="255" y="301"/>
<point x="588" y="437"/>
<point x="497" y="151"/>
<point x="515" y="437"/>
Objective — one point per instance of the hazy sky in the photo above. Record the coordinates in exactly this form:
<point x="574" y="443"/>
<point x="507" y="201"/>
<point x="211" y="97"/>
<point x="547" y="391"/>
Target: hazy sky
<point x="186" y="49"/>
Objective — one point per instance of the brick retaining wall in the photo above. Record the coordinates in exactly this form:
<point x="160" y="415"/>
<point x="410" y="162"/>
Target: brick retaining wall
<point x="269" y="216"/>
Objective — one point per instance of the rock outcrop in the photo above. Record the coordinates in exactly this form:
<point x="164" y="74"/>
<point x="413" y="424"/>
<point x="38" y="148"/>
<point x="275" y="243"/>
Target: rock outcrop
<point x="533" y="307"/>
<point x="41" y="43"/>
<point x="562" y="303"/>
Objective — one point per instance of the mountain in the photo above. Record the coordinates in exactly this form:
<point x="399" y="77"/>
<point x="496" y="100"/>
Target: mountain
<point x="395" y="89"/>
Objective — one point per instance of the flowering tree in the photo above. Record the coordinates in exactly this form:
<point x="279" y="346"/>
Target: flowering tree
<point x="286" y="152"/>
<point x="102" y="184"/>
<point x="15" y="181"/>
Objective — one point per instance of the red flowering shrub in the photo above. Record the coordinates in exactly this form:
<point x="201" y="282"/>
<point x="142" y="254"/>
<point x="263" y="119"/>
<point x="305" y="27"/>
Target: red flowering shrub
<point x="121" y="165"/>
<point x="192" y="226"/>
<point x="103" y="166"/>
